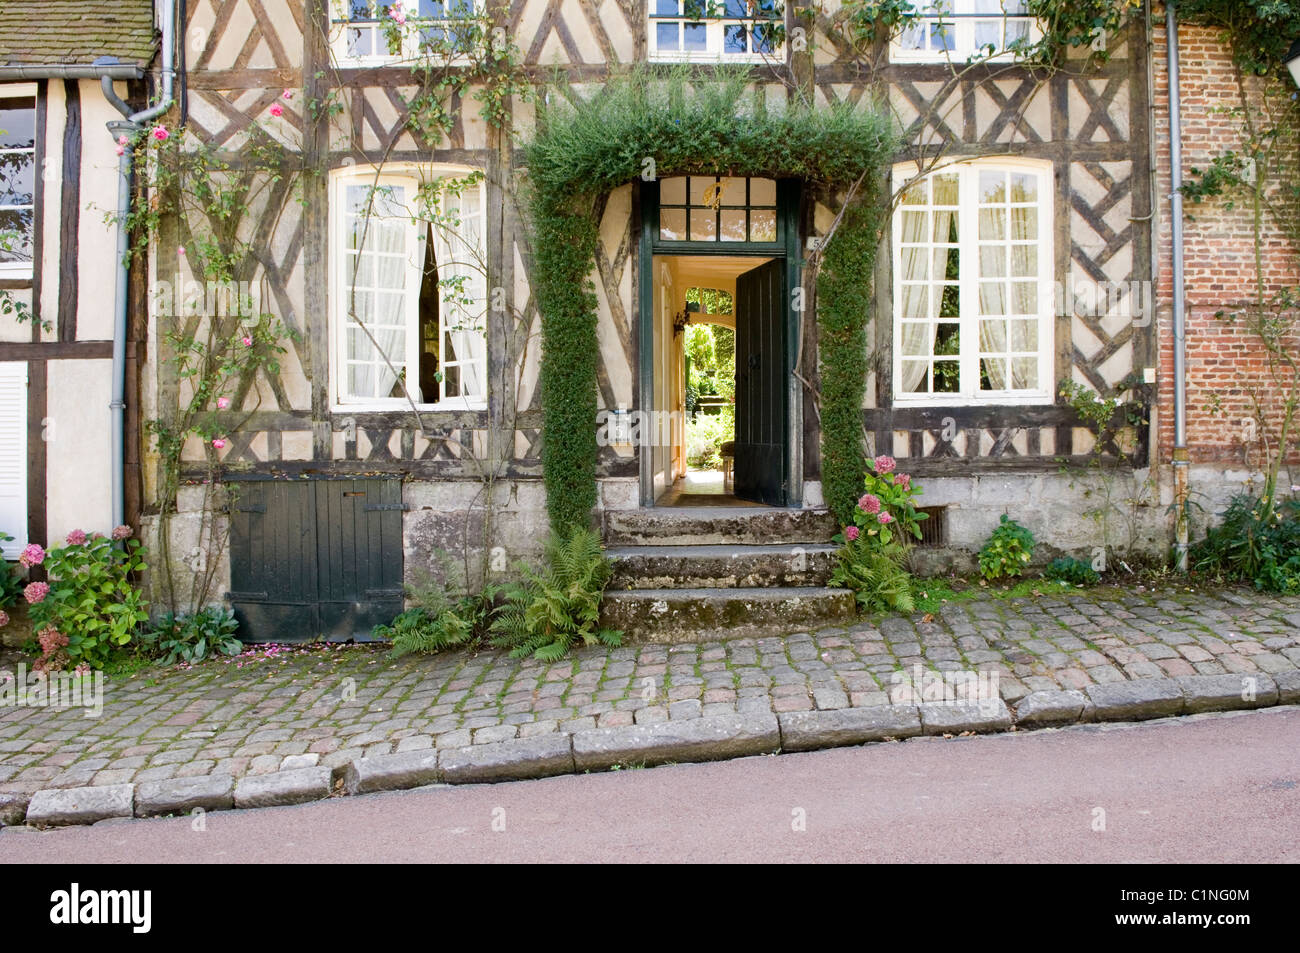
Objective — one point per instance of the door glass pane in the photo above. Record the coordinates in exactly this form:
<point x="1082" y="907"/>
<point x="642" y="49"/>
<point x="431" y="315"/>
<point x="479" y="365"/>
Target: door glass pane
<point x="704" y="225"/>
<point x="672" y="224"/>
<point x="673" y="191"/>
<point x="733" y="225"/>
<point x="762" y="225"/>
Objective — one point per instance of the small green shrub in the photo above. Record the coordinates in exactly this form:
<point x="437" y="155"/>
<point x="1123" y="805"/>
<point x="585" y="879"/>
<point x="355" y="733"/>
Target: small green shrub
<point x="1008" y="550"/>
<point x="11" y="580"/>
<point x="193" y="637"/>
<point x="1074" y="571"/>
<point x="549" y="611"/>
<point x="877" y="577"/>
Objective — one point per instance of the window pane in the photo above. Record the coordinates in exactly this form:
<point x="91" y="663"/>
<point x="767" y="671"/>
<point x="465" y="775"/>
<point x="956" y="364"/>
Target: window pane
<point x="1024" y="335"/>
<point x="993" y="261"/>
<point x="702" y="189"/>
<point x="914" y="377"/>
<point x="993" y="373"/>
<point x="666" y="8"/>
<point x="1024" y="187"/>
<point x="993" y="224"/>
<point x="762" y="192"/>
<point x="913" y="226"/>
<point x="993" y="187"/>
<point x="762" y="225"/>
<point x="988" y="36"/>
<point x="993" y="337"/>
<point x="733" y="225"/>
<point x="950" y="303"/>
<point x="945" y="227"/>
<point x="704" y="225"/>
<point x="913" y="37"/>
<point x="359" y="41"/>
<point x="943" y="37"/>
<point x="1024" y="297"/>
<point x="16" y="227"/>
<point x="1024" y="224"/>
<point x="1024" y="373"/>
<point x="666" y="36"/>
<point x="733" y="192"/>
<point x="916" y="301"/>
<point x="916" y="263"/>
<point x="733" y="39"/>
<point x="695" y="37"/>
<point x="1024" y="261"/>
<point x="947" y="339"/>
<point x="916" y="340"/>
<point x="946" y="189"/>
<point x="947" y="377"/>
<point x="673" y="191"/>
<point x="993" y="298"/>
<point x="672" y="224"/>
<point x="736" y="8"/>
<point x="17" y="178"/>
<point x="18" y="124"/>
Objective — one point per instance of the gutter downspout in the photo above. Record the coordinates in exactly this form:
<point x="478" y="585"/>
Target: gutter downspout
<point x="130" y="127"/>
<point x="1181" y="460"/>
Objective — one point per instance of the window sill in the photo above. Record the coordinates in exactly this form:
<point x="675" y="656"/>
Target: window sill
<point x="940" y="402"/>
<point x="381" y="407"/>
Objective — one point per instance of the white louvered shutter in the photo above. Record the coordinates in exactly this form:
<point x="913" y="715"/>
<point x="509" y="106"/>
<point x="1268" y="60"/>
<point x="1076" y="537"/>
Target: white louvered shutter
<point x="13" y="456"/>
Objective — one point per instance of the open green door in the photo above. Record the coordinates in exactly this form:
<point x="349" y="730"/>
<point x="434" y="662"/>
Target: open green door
<point x="761" y="379"/>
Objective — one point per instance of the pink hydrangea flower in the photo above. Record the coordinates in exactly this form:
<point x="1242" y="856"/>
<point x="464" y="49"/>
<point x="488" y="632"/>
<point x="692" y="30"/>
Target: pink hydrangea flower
<point x="76" y="537"/>
<point x="869" y="503"/>
<point x="885" y="464"/>
<point x="36" y="592"/>
<point x="218" y="443"/>
<point x="851" y="533"/>
<point x="32" y="555"/>
<point x="161" y="134"/>
<point x="4" y="618"/>
<point x="223" y="403"/>
<point x="885" y="519"/>
<point x="277" y="110"/>
<point x="122" y="532"/>
<point x="83" y="669"/>
<point x="51" y="639"/>
<point x="904" y="480"/>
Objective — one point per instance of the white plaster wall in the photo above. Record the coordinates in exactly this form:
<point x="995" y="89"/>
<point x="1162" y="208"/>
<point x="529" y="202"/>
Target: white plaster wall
<point x="78" y="449"/>
<point x="96" y="238"/>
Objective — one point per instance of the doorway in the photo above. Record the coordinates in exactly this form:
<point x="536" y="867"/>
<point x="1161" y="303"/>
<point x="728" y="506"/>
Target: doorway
<point x="717" y="331"/>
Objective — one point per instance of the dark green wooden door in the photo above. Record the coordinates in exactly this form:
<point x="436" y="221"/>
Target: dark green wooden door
<point x="760" y="459"/>
<point x="315" y="558"/>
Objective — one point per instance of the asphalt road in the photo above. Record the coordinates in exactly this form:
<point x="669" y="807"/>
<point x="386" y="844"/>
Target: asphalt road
<point x="1210" y="788"/>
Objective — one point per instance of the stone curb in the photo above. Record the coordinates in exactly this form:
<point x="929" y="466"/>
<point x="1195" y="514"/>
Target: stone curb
<point x="55" y="807"/>
<point x="213" y="792"/>
<point x="810" y="730"/>
<point x="700" y="739"/>
<point x="283" y="787"/>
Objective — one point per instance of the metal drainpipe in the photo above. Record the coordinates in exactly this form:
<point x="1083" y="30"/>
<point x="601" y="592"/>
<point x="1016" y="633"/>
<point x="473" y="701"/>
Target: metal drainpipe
<point x="131" y="127"/>
<point x="1181" y="460"/>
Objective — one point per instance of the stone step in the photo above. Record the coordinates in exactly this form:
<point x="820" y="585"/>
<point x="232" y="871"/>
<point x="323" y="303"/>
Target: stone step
<point x="701" y="615"/>
<point x="723" y="567"/>
<point x="716" y="525"/>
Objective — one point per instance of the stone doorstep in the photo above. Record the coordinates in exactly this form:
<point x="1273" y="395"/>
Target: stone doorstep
<point x="698" y="739"/>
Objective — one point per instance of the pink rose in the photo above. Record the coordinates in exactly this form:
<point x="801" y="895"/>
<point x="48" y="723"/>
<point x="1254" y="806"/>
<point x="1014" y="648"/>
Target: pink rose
<point x="180" y="249"/>
<point x="223" y="403"/>
<point x="851" y="533"/>
<point x="288" y="94"/>
<point x="277" y="110"/>
<point x="121" y="150"/>
<point x="218" y="443"/>
<point x="122" y="140"/>
<point x="32" y="555"/>
<point x="885" y="519"/>
<point x="76" y="537"/>
<point x="869" y="503"/>
<point x="122" y="532"/>
<point x="248" y="341"/>
<point x="885" y="464"/>
<point x="36" y="592"/>
<point x="160" y="133"/>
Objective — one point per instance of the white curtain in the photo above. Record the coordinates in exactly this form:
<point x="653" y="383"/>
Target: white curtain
<point x="918" y="337"/>
<point x="376" y="286"/>
<point x="463" y="293"/>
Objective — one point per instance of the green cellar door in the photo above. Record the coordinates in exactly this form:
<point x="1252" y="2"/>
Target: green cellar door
<point x="315" y="559"/>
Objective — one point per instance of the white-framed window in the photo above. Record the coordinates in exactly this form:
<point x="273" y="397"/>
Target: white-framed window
<point x="973" y="298"/>
<point x="409" y="289"/>
<point x="381" y="32"/>
<point x="716" y="31"/>
<point x="961" y="30"/>
<point x="17" y="180"/>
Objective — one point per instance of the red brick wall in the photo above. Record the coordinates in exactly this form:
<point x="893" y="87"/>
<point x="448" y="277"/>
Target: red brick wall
<point x="1224" y="363"/>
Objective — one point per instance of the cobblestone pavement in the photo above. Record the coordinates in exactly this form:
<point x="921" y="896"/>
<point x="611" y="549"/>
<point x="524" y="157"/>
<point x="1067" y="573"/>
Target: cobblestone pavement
<point x="279" y="707"/>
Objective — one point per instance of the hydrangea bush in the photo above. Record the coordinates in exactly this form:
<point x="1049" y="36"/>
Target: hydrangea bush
<point x="90" y="608"/>
<point x="886" y="513"/>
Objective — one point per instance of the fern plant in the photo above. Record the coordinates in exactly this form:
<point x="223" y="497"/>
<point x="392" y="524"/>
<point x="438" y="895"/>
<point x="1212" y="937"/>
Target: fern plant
<point x="877" y="577"/>
<point x="550" y="611"/>
<point x="437" y="620"/>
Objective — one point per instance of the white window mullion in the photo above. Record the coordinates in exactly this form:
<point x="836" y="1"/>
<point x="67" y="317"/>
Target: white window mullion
<point x="968" y="229"/>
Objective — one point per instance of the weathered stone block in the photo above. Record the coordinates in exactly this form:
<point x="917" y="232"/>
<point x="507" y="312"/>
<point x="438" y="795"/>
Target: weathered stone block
<point x="939" y="718"/>
<point x="51" y="808"/>
<point x="699" y="739"/>
<point x="1052" y="708"/>
<point x="808" y="730"/>
<point x="392" y="772"/>
<point x="283" y="787"/>
<point x="213" y="792"/>
<point x="1227" y="692"/>
<point x="1136" y="700"/>
<point x="538" y="757"/>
